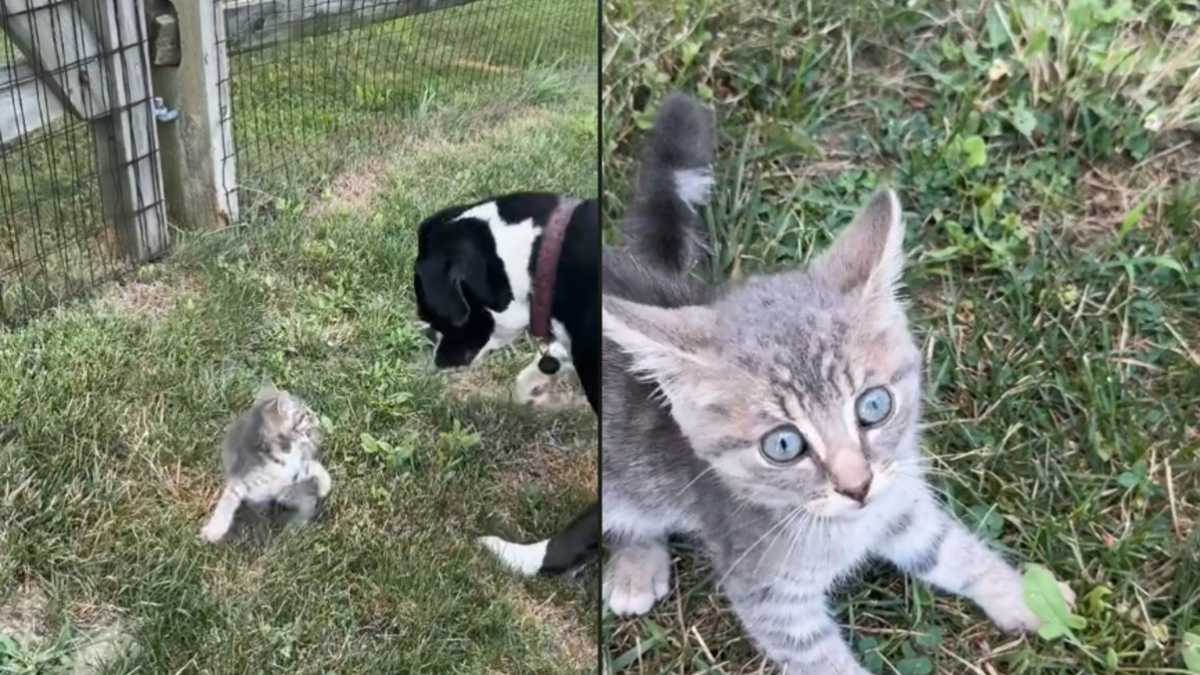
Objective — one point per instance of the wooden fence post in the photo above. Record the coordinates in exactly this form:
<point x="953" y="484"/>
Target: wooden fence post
<point x="126" y="140"/>
<point x="191" y="75"/>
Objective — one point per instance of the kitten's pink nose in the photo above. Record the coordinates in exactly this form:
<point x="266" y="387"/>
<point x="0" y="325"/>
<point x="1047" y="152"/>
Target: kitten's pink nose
<point x="858" y="492"/>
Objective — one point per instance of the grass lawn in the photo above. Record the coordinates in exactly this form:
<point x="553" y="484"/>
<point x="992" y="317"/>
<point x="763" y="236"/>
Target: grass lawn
<point x="1047" y="160"/>
<point x="112" y="413"/>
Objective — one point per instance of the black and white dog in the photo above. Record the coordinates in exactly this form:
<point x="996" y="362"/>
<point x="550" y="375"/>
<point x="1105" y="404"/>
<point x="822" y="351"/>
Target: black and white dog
<point x="490" y="270"/>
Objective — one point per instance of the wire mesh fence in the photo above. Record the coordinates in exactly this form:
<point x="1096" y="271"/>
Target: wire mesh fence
<point x="302" y="106"/>
<point x="310" y="85"/>
<point x="79" y="191"/>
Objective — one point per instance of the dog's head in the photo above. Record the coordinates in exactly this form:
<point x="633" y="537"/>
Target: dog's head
<point x="464" y="287"/>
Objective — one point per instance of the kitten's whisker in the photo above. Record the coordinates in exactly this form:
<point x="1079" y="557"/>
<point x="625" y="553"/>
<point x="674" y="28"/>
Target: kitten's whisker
<point x="789" y="526"/>
<point x="781" y="523"/>
<point x="810" y="523"/>
<point x="693" y="481"/>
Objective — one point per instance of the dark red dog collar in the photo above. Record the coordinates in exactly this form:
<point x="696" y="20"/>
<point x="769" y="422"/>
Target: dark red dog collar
<point x="546" y="268"/>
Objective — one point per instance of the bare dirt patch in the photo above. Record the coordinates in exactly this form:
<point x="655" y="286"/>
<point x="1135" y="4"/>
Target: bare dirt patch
<point x="476" y="384"/>
<point x="99" y="637"/>
<point x="99" y="647"/>
<point x="23" y="614"/>
<point x="543" y="391"/>
<point x="149" y="299"/>
<point x="355" y="189"/>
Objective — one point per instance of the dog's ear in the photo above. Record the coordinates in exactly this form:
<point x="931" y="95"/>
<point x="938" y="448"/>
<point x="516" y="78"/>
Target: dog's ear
<point x="471" y="268"/>
<point x="442" y="279"/>
<point x="441" y="289"/>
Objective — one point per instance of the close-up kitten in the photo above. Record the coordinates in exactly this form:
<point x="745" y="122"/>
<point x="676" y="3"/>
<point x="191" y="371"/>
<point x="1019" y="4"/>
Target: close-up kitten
<point x="271" y="457"/>
<point x="777" y="420"/>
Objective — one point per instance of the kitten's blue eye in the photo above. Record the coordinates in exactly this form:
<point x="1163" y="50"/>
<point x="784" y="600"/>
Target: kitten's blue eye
<point x="873" y="406"/>
<point x="783" y="444"/>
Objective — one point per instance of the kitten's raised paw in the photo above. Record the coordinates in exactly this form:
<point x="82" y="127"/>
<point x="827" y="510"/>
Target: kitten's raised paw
<point x="324" y="481"/>
<point x="1009" y="612"/>
<point x="636" y="578"/>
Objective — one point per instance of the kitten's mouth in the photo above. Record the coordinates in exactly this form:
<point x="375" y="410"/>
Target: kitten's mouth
<point x="835" y="507"/>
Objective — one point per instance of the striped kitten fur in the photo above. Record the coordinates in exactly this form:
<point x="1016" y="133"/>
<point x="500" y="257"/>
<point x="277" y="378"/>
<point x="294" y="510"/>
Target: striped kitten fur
<point x="271" y="456"/>
<point x="777" y="420"/>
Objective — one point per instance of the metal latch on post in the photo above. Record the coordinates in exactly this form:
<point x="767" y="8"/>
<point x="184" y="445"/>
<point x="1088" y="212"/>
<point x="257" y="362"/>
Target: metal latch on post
<point x="162" y="113"/>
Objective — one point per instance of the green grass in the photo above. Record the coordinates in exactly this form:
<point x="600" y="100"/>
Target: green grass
<point x="113" y="412"/>
<point x="283" y="94"/>
<point x="1046" y="158"/>
<point x="302" y="111"/>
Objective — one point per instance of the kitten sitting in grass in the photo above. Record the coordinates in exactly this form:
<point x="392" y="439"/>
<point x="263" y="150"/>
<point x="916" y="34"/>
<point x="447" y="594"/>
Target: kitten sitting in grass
<point x="271" y="456"/>
<point x="776" y="419"/>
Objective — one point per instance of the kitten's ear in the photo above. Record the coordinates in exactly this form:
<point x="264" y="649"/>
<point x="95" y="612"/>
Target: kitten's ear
<point x="272" y="415"/>
<point x="279" y="410"/>
<point x="266" y="392"/>
<point x="867" y="258"/>
<point x="665" y="344"/>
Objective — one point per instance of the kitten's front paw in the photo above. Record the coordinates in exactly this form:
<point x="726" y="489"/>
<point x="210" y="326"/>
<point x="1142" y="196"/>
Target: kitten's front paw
<point x="212" y="533"/>
<point x="324" y="483"/>
<point x="636" y="578"/>
<point x="1004" y="603"/>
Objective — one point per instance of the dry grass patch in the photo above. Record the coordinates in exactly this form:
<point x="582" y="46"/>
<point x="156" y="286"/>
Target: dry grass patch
<point x="485" y="67"/>
<point x="477" y="383"/>
<point x="1112" y="194"/>
<point x="151" y="299"/>
<point x="576" y="465"/>
<point x="570" y="640"/>
<point x="354" y="190"/>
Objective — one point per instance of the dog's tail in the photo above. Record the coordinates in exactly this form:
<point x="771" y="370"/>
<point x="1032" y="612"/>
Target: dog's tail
<point x="662" y="226"/>
<point x="573" y="546"/>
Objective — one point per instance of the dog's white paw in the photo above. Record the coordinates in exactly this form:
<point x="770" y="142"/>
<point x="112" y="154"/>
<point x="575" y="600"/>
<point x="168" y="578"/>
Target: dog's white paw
<point x="213" y="532"/>
<point x="636" y="578"/>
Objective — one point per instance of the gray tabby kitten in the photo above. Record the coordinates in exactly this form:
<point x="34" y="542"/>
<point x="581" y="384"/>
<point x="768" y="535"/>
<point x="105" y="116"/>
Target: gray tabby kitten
<point x="776" y="419"/>
<point x="271" y="455"/>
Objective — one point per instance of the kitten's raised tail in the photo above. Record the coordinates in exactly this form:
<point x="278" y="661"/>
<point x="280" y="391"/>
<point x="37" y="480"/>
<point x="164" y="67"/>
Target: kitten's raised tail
<point x="571" y="547"/>
<point x="662" y="225"/>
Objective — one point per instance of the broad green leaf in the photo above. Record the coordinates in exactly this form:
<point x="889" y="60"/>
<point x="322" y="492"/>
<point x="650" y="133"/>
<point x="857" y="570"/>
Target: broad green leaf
<point x="1080" y="14"/>
<point x="1192" y="638"/>
<point x="1052" y="631"/>
<point x="1024" y="120"/>
<point x="976" y="151"/>
<point x="1037" y="43"/>
<point x="915" y="665"/>
<point x="1119" y="11"/>
<point x="370" y="444"/>
<point x="1045" y="599"/>
<point x="1168" y="263"/>
<point x="1191" y="652"/>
